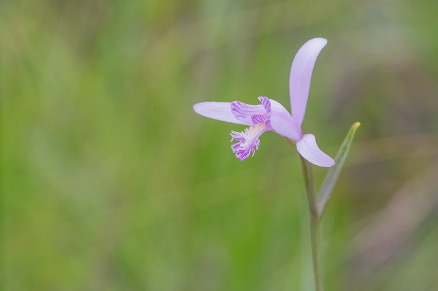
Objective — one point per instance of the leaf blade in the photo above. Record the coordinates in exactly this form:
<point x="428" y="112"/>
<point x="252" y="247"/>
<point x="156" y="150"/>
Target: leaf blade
<point x="332" y="175"/>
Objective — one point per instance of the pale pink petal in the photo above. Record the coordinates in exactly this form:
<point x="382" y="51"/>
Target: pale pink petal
<point x="308" y="148"/>
<point x="249" y="114"/>
<point x="283" y="123"/>
<point x="266" y="102"/>
<point x="301" y="75"/>
<point x="217" y="110"/>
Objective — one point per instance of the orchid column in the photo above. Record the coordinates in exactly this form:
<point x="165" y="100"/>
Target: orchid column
<point x="270" y="115"/>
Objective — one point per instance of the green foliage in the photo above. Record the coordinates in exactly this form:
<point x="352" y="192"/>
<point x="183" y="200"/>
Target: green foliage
<point x="332" y="175"/>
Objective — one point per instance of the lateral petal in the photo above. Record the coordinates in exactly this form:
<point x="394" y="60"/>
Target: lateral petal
<point x="308" y="148"/>
<point x="217" y="110"/>
<point x="301" y="75"/>
<point x="283" y="123"/>
<point x="249" y="114"/>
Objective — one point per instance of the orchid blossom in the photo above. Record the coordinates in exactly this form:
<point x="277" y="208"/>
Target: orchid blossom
<point x="271" y="115"/>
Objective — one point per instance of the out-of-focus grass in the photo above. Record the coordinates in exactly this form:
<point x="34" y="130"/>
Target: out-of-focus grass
<point x="111" y="182"/>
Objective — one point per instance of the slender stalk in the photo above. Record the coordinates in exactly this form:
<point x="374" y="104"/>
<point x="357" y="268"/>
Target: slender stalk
<point x="314" y="223"/>
<point x="314" y="236"/>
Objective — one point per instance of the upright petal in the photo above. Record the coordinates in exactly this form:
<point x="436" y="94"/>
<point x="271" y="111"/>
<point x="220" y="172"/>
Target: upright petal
<point x="283" y="123"/>
<point x="308" y="148"/>
<point x="217" y="110"/>
<point x="301" y="75"/>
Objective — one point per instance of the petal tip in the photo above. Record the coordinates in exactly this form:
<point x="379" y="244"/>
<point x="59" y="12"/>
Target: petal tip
<point x="329" y="163"/>
<point x="319" y="41"/>
<point x="310" y="151"/>
<point x="195" y="107"/>
<point x="200" y="107"/>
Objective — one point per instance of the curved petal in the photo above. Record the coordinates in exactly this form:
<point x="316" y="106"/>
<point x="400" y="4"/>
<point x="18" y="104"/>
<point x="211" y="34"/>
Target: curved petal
<point x="308" y="148"/>
<point x="266" y="103"/>
<point x="301" y="75"/>
<point x="217" y="110"/>
<point x="283" y="123"/>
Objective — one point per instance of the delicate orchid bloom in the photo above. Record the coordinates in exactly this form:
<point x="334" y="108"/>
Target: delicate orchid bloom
<point x="271" y="115"/>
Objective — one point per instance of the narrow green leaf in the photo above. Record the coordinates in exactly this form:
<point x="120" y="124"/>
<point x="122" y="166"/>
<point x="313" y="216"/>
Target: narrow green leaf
<point x="332" y="175"/>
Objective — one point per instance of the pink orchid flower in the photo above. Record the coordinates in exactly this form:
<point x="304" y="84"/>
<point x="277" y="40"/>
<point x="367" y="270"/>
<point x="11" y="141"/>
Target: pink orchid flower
<point x="271" y="115"/>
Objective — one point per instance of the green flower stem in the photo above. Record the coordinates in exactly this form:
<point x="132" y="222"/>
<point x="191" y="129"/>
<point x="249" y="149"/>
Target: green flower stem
<point x="314" y="223"/>
<point x="318" y="203"/>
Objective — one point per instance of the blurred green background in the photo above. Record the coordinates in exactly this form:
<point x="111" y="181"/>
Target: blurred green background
<point x="110" y="181"/>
